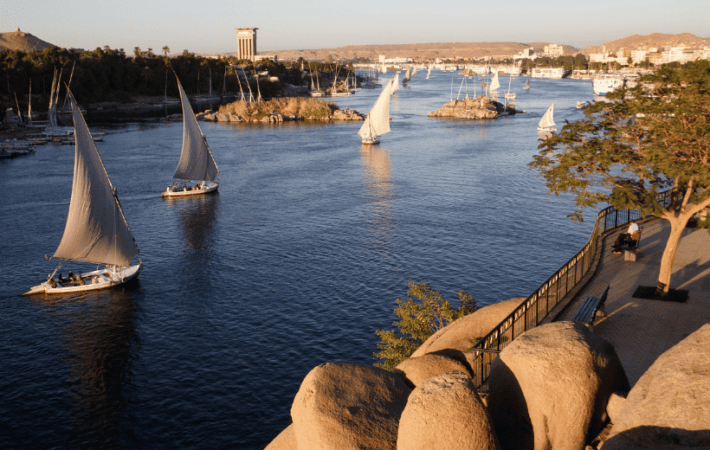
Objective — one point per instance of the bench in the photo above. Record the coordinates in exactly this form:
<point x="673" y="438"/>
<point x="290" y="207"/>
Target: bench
<point x="588" y="311"/>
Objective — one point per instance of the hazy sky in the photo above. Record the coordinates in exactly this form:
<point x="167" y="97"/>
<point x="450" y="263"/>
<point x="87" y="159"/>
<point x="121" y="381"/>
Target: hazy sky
<point x="208" y="26"/>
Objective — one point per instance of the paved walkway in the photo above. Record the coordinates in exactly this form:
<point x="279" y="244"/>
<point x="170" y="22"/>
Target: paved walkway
<point x="641" y="330"/>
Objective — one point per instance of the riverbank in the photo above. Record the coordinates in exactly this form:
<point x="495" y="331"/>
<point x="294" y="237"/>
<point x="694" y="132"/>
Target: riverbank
<point x="653" y="374"/>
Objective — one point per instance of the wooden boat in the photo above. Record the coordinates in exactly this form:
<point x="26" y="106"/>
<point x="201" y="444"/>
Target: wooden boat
<point x="96" y="230"/>
<point x="377" y="121"/>
<point x="547" y="124"/>
<point x="196" y="160"/>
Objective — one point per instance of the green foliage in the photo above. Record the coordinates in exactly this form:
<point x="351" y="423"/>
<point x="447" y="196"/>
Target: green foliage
<point x="106" y="74"/>
<point x="417" y="321"/>
<point x="648" y="139"/>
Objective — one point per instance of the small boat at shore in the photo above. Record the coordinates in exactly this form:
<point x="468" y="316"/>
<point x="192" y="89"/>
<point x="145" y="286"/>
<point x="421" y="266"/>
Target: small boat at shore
<point x="96" y="230"/>
<point x="196" y="161"/>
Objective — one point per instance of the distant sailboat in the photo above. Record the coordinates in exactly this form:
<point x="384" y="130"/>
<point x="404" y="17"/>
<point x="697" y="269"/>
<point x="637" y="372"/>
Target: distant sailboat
<point x="377" y="121"/>
<point x="510" y="95"/>
<point x="527" y="84"/>
<point x="429" y="72"/>
<point x="196" y="160"/>
<point x="395" y="83"/>
<point x="547" y="124"/>
<point x="96" y="230"/>
<point x="407" y="75"/>
<point x="495" y="84"/>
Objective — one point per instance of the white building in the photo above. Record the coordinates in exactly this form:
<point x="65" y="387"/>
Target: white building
<point x="554" y="50"/>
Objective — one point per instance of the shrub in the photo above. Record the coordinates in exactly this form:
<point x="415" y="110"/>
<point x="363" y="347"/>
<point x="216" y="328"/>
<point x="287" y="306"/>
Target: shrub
<point x="417" y="321"/>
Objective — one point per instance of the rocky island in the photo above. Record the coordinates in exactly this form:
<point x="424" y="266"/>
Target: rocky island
<point x="481" y="107"/>
<point x="278" y="110"/>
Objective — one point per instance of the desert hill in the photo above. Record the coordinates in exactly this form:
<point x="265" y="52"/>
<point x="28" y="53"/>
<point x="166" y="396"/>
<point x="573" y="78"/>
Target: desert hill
<point x="416" y="51"/>
<point x="659" y="40"/>
<point x="17" y="40"/>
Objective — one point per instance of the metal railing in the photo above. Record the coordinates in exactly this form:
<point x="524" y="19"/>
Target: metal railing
<point x="538" y="305"/>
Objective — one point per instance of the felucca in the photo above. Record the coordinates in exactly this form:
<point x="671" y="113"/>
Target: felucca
<point x="196" y="161"/>
<point x="377" y="121"/>
<point x="407" y="75"/>
<point x="547" y="124"/>
<point x="96" y="230"/>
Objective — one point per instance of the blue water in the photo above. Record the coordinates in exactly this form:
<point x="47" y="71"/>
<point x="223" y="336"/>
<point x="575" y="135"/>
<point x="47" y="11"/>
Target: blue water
<point x="296" y="261"/>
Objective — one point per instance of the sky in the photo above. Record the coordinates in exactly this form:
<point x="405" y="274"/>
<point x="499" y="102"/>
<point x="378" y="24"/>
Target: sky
<point x="208" y="26"/>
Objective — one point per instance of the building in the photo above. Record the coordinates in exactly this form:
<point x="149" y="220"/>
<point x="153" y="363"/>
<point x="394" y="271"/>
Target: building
<point x="554" y="50"/>
<point x="246" y="43"/>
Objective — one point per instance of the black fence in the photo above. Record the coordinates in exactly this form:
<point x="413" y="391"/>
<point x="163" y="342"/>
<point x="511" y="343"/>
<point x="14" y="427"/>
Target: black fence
<point x="536" y="307"/>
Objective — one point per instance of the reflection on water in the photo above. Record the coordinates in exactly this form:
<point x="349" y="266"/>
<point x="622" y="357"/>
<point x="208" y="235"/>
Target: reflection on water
<point x="198" y="218"/>
<point x="379" y="191"/>
<point x="100" y="345"/>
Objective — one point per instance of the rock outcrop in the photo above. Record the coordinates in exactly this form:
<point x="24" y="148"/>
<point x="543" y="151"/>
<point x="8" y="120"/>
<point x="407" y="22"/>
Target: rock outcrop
<point x="348" y="406"/>
<point x="669" y="406"/>
<point x="459" y="333"/>
<point x="549" y="388"/>
<point x="416" y="371"/>
<point x="481" y="107"/>
<point x="286" y="440"/>
<point x="339" y="115"/>
<point x="445" y="413"/>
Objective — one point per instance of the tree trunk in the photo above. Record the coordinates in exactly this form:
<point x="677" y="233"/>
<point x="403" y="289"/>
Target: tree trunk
<point x="664" y="275"/>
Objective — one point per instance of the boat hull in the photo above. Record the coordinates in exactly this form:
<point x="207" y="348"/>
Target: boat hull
<point x="205" y="188"/>
<point x="371" y="141"/>
<point x="94" y="280"/>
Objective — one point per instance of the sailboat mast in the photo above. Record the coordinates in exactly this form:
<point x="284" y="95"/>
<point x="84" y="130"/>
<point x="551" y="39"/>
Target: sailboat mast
<point x="69" y="85"/>
<point x="29" y="105"/>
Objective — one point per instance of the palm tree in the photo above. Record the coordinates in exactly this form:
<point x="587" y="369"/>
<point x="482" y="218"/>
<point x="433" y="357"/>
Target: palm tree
<point x="137" y="51"/>
<point x="166" y="50"/>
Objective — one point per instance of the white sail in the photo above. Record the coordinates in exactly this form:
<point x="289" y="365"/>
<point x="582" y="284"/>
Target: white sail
<point x="377" y="121"/>
<point x="395" y="83"/>
<point x="96" y="230"/>
<point x="546" y="121"/>
<point x="196" y="161"/>
<point x="494" y="83"/>
<point x="407" y="74"/>
<point x="428" y="72"/>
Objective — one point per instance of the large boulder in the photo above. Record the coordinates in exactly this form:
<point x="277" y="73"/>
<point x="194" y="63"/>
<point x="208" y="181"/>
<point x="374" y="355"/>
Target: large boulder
<point x="286" y="440"/>
<point x="549" y="388"/>
<point x="459" y="333"/>
<point x="419" y="369"/>
<point x="445" y="413"/>
<point x="348" y="406"/>
<point x="669" y="406"/>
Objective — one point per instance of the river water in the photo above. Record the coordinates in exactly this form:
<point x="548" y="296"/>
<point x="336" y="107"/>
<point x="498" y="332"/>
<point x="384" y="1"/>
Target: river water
<point x="296" y="261"/>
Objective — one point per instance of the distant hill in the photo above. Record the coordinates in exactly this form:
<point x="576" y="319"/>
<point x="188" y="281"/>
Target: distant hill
<point x="416" y="51"/>
<point x="650" y="40"/>
<point x="17" y="40"/>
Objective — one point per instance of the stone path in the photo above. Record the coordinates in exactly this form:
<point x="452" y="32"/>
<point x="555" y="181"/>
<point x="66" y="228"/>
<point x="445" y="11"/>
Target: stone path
<point x="641" y="330"/>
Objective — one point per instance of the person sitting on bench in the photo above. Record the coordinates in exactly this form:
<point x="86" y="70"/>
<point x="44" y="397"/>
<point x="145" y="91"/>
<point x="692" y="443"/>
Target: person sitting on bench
<point x="630" y="238"/>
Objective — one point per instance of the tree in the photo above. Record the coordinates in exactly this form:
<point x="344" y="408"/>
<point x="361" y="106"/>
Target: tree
<point x="137" y="51"/>
<point x="418" y="321"/>
<point x="166" y="50"/>
<point x="651" y="138"/>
